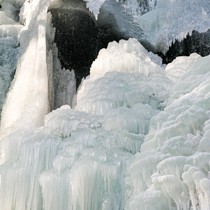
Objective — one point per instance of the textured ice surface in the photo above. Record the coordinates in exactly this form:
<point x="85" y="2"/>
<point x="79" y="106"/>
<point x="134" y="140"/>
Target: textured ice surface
<point x="80" y="155"/>
<point x="179" y="133"/>
<point x="136" y="139"/>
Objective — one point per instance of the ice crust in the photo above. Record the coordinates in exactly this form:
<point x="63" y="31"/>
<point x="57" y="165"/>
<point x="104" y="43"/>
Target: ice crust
<point x="136" y="138"/>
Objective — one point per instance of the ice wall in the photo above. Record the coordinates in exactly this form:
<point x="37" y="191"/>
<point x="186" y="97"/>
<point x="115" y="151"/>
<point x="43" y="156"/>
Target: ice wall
<point x="137" y="138"/>
<point x="78" y="160"/>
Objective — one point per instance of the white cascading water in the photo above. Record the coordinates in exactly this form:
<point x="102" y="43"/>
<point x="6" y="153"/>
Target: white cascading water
<point x="136" y="139"/>
<point x="27" y="101"/>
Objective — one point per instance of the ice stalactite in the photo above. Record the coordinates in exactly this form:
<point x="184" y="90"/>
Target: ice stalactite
<point x="61" y="81"/>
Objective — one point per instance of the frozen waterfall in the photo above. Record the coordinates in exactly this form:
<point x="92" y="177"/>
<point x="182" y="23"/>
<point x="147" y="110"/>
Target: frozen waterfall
<point x="27" y="101"/>
<point x="135" y="138"/>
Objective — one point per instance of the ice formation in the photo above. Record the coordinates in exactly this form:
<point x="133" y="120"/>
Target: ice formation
<point x="136" y="137"/>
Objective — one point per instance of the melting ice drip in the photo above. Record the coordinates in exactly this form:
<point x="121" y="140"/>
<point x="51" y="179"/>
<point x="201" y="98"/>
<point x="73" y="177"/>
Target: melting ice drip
<point x="137" y="138"/>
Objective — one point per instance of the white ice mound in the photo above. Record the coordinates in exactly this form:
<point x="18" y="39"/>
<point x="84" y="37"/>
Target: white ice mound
<point x="125" y="56"/>
<point x="124" y="74"/>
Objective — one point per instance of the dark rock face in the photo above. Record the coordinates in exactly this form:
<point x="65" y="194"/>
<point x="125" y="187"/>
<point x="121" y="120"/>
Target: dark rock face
<point x="108" y="34"/>
<point x="79" y="37"/>
<point x="196" y="42"/>
<point x="108" y="30"/>
<point x="76" y="37"/>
